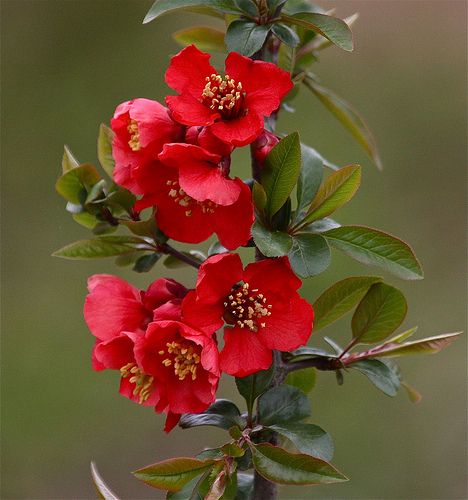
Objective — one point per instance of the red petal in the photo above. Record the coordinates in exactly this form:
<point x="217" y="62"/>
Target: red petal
<point x="187" y="110"/>
<point x="161" y="291"/>
<point x="203" y="137"/>
<point x="205" y="317"/>
<point x="115" y="353"/>
<point x="172" y="420"/>
<point x="243" y="353"/>
<point x="274" y="275"/>
<point x="188" y="70"/>
<point x="241" y="131"/>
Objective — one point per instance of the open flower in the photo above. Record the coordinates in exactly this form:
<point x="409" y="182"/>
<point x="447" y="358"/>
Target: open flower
<point x="260" y="305"/>
<point x="141" y="128"/>
<point x="233" y="105"/>
<point x="183" y="218"/>
<point x="183" y="364"/>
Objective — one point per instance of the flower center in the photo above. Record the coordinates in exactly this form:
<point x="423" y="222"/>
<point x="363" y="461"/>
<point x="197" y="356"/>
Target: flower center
<point x="143" y="383"/>
<point x="134" y="141"/>
<point x="183" y="358"/>
<point x="246" y="308"/>
<point x="224" y="95"/>
<point x="184" y="200"/>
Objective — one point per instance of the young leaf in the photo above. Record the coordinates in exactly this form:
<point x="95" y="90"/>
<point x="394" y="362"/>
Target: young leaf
<point x="161" y="7"/>
<point x="373" y="247"/>
<point x="105" y="149"/>
<point x="86" y="220"/>
<point x="403" y="336"/>
<point x="103" y="491"/>
<point x="341" y="298"/>
<point x="383" y="376"/>
<point x="303" y="380"/>
<point x="413" y="394"/>
<point x="69" y="162"/>
<point x="309" y="255"/>
<point x="271" y="243"/>
<point x="307" y="438"/>
<point x="104" y="246"/>
<point x="337" y="189"/>
<point x="280" y="466"/>
<point x="380" y="313"/>
<point x="245" y="37"/>
<point x="348" y="117"/>
<point x="281" y="171"/>
<point x="285" y="34"/>
<point x="283" y="404"/>
<point x="205" y="38"/>
<point x="310" y="178"/>
<point x="253" y="386"/>
<point x="172" y="474"/>
<point x="332" y="28"/>
<point x="75" y="184"/>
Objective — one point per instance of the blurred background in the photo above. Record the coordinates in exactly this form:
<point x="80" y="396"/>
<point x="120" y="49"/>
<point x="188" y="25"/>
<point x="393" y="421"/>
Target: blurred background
<point x="65" y="67"/>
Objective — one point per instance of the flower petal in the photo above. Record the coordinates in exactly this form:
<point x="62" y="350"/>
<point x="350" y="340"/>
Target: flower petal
<point x="188" y="111"/>
<point x="240" y="131"/>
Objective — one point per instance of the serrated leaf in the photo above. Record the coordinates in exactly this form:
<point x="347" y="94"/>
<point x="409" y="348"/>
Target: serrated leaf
<point x="309" y="179"/>
<point x="285" y="34"/>
<point x="245" y="37"/>
<point x="380" y="374"/>
<point x="104" y="149"/>
<point x="341" y="298"/>
<point x="379" y="314"/>
<point x="332" y="28"/>
<point x="204" y="37"/>
<point x="251" y="387"/>
<point x="104" y="246"/>
<point x="337" y="189"/>
<point x="161" y="7"/>
<point x="303" y="380"/>
<point x="280" y="466"/>
<point x="349" y="118"/>
<point x="307" y="438"/>
<point x="69" y="162"/>
<point x="172" y="474"/>
<point x="281" y="171"/>
<point x="283" y="404"/>
<point x="75" y="184"/>
<point x="373" y="247"/>
<point x="271" y="243"/>
<point x="103" y="491"/>
<point x="309" y="255"/>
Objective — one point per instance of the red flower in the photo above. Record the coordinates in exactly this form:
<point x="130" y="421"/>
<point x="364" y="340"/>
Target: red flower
<point x="141" y="128"/>
<point x="186" y="219"/>
<point x="263" y="144"/>
<point x="233" y="106"/>
<point x="183" y="364"/>
<point x="260" y="304"/>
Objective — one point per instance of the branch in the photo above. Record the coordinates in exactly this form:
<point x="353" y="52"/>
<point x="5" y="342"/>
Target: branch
<point x="325" y="364"/>
<point x="169" y="250"/>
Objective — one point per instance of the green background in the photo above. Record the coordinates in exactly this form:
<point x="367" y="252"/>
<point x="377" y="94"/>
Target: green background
<point x="65" y="66"/>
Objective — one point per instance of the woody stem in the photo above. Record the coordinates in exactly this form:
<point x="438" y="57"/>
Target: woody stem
<point x="169" y="250"/>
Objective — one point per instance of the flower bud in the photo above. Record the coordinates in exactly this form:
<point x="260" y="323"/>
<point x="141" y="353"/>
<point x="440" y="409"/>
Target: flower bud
<point x="263" y="145"/>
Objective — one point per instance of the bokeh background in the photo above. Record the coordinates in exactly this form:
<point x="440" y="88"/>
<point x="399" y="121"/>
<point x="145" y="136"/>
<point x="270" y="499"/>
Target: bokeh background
<point x="65" y="66"/>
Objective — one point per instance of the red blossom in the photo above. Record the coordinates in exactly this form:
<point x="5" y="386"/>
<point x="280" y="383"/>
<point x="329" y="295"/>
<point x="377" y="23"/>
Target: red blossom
<point x="263" y="144"/>
<point x="183" y="218"/>
<point x="141" y="128"/>
<point x="260" y="305"/>
<point x="233" y="106"/>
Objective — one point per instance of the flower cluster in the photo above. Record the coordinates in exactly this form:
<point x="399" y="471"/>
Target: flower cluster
<point x="177" y="160"/>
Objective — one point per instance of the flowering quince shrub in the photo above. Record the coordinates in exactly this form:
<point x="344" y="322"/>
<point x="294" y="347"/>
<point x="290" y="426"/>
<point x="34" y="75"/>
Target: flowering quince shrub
<point x="170" y="178"/>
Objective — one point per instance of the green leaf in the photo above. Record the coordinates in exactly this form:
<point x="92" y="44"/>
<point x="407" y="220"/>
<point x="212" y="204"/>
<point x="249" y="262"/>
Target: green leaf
<point x="161" y="7"/>
<point x="251" y="387"/>
<point x="222" y="413"/>
<point x="145" y="263"/>
<point x="306" y="352"/>
<point x="332" y="28"/>
<point x="321" y="226"/>
<point x="283" y="404"/>
<point x="172" y="474"/>
<point x="307" y="438"/>
<point x="337" y="189"/>
<point x="69" y="162"/>
<point x="430" y="345"/>
<point x="380" y="313"/>
<point x="141" y="227"/>
<point x="205" y="38"/>
<point x="245" y="37"/>
<point x="285" y="34"/>
<point x="247" y="7"/>
<point x="280" y="466"/>
<point x="403" y="336"/>
<point x="281" y="171"/>
<point x="341" y="298"/>
<point x="310" y="177"/>
<point x="373" y="247"/>
<point x="104" y="149"/>
<point x="271" y="243"/>
<point x="259" y="196"/>
<point x="86" y="219"/>
<point x="380" y="374"/>
<point x="232" y="450"/>
<point x="103" y="491"/>
<point x="104" y="246"/>
<point x="303" y="380"/>
<point x="75" y="184"/>
<point x="309" y="255"/>
<point x="348" y="117"/>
